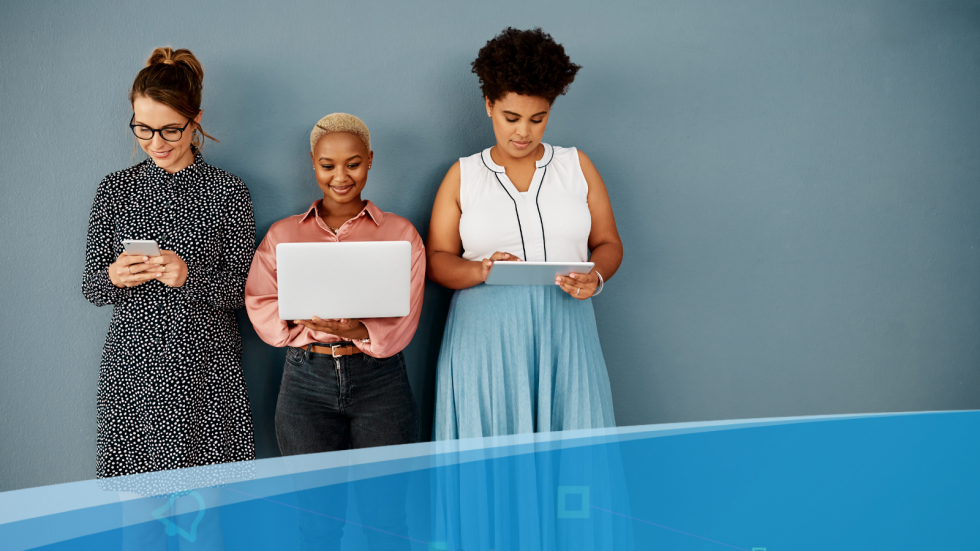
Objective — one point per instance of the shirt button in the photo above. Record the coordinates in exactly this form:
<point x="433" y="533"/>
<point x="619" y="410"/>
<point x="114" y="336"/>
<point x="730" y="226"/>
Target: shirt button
<point x="160" y="307"/>
<point x="157" y="340"/>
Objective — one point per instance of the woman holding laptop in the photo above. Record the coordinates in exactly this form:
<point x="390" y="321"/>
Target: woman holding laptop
<point x="519" y="359"/>
<point x="344" y="385"/>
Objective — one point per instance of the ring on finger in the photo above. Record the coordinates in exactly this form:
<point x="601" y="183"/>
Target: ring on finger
<point x="577" y="289"/>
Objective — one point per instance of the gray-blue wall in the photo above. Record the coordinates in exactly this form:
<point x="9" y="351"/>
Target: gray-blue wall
<point x="796" y="185"/>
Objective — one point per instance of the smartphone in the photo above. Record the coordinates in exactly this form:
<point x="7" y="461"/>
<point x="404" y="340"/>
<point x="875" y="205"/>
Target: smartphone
<point x="142" y="247"/>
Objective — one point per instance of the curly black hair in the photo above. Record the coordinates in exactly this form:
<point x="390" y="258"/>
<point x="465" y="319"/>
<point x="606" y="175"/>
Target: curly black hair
<point x="528" y="63"/>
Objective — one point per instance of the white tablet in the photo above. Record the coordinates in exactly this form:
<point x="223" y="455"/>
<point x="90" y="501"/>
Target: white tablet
<point x="533" y="273"/>
<point x="370" y="279"/>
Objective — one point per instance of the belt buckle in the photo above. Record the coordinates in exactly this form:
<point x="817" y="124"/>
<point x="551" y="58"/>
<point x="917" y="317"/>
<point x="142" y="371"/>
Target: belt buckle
<point x="334" y="347"/>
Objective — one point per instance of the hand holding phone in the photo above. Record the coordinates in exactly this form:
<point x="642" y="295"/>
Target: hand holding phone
<point x="130" y="270"/>
<point x="141" y="247"/>
<point x="169" y="268"/>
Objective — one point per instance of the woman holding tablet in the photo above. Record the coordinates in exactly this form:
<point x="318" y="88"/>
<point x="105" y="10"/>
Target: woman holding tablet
<point x="518" y="359"/>
<point x="171" y="389"/>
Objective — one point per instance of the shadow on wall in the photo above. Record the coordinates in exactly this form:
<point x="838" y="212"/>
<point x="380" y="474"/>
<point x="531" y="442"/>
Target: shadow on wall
<point x="464" y="131"/>
<point x="277" y="191"/>
<point x="263" y="102"/>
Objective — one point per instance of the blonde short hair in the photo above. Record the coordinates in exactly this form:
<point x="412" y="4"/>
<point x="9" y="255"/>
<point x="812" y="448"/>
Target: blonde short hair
<point x="340" y="122"/>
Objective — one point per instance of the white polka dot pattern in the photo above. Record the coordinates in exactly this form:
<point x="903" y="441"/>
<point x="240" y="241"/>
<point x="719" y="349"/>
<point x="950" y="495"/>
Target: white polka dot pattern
<point x="171" y="389"/>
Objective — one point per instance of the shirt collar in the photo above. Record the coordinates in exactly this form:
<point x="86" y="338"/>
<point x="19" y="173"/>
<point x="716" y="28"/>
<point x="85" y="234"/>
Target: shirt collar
<point x="370" y="210"/>
<point x="153" y="170"/>
<point x="549" y="154"/>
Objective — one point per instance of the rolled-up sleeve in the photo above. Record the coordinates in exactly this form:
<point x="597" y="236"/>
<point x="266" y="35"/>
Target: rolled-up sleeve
<point x="262" y="301"/>
<point x="262" y="296"/>
<point x="389" y="336"/>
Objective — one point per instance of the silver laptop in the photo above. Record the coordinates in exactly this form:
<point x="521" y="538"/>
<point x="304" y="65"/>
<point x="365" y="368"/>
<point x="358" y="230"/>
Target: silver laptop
<point x="370" y="279"/>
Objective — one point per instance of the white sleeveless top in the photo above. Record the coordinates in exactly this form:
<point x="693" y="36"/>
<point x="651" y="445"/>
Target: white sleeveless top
<point x="550" y="222"/>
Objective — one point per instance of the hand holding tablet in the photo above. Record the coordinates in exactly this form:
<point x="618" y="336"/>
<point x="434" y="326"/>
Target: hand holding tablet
<point x="580" y="285"/>
<point x="535" y="273"/>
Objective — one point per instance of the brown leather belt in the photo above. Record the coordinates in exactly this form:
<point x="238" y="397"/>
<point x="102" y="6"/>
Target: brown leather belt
<point x="338" y="349"/>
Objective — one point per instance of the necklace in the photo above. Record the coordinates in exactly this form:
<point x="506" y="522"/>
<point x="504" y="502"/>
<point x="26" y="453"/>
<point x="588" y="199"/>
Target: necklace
<point x="324" y="219"/>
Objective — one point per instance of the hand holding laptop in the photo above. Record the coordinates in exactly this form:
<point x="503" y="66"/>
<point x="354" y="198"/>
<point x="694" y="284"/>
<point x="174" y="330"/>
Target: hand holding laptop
<point x="351" y="329"/>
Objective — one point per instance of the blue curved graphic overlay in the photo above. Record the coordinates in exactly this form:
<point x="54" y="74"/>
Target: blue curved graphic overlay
<point x="886" y="481"/>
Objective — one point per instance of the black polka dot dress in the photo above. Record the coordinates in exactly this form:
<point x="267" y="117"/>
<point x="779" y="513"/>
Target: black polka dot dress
<point x="171" y="388"/>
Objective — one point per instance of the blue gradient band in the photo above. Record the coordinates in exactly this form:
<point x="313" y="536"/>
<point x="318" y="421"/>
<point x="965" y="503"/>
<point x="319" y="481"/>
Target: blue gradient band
<point x="884" y="481"/>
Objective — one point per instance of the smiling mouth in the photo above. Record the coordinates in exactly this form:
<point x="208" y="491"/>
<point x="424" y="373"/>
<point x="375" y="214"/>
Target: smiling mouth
<point x="342" y="190"/>
<point x="520" y="145"/>
<point x="161" y="154"/>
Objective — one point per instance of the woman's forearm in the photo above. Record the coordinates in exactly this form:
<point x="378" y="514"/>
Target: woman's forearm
<point x="607" y="257"/>
<point x="449" y="270"/>
<point x="359" y="333"/>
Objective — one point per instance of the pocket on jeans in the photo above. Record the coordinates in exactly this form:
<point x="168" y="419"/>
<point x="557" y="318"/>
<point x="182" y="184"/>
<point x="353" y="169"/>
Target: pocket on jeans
<point x="295" y="356"/>
<point x="384" y="362"/>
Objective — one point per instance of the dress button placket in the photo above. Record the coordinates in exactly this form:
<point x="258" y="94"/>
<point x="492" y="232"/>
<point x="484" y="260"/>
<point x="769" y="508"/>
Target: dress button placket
<point x="166" y="222"/>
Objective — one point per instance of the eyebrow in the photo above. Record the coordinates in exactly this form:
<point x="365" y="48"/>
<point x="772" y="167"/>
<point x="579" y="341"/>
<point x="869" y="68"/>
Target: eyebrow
<point x="138" y="123"/>
<point x="329" y="159"/>
<point x="518" y="114"/>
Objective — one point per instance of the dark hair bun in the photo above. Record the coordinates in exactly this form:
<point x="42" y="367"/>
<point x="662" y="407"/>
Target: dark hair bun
<point x="528" y="62"/>
<point x="182" y="58"/>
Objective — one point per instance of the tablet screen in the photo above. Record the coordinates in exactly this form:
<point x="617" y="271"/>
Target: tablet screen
<point x="533" y="273"/>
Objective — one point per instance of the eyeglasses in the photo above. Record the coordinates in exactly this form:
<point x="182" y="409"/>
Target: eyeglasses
<point x="146" y="133"/>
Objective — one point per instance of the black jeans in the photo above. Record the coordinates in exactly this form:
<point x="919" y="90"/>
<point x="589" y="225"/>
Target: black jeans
<point x="328" y="404"/>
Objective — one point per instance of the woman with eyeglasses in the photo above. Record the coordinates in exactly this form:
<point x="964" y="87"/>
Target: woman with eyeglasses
<point x="171" y="389"/>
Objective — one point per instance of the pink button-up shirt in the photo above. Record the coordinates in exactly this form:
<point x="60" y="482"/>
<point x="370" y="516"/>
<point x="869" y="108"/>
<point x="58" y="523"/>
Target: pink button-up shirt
<point x="388" y="336"/>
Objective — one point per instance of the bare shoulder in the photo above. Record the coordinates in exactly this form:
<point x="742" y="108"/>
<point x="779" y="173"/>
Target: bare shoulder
<point x="449" y="188"/>
<point x="453" y="176"/>
<point x="586" y="163"/>
<point x="592" y="177"/>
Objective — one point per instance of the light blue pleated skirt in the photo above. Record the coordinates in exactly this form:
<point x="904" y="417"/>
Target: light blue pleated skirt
<point x="520" y="359"/>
